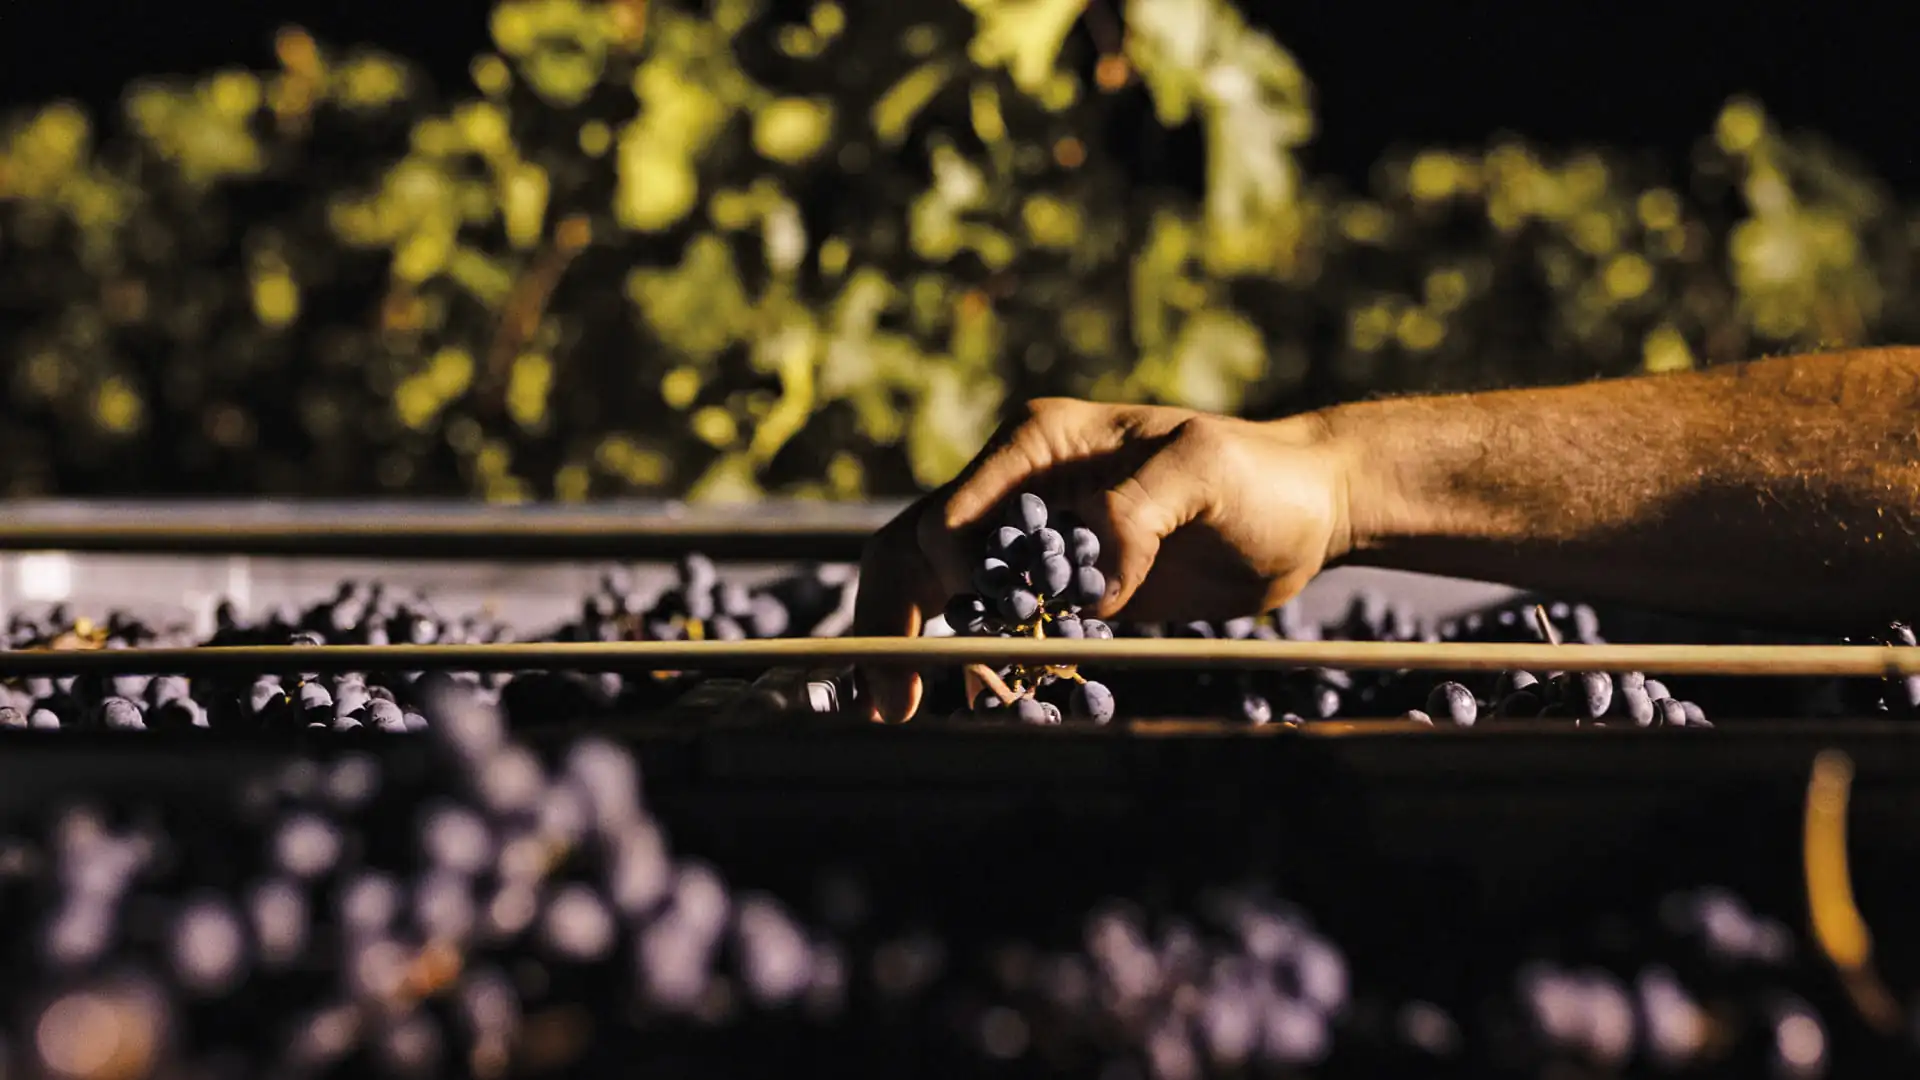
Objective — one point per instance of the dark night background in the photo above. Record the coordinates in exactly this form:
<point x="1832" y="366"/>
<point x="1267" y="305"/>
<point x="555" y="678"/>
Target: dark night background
<point x="1638" y="75"/>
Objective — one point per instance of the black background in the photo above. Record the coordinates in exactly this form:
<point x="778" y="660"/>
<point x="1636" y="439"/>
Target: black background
<point x="1632" y="74"/>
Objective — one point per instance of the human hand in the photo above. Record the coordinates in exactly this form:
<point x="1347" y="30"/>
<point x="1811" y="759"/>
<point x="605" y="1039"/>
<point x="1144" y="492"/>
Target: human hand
<point x="1199" y="517"/>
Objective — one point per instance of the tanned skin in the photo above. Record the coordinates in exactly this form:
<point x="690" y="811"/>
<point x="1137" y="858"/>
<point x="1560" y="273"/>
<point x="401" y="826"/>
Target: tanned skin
<point x="1785" y="490"/>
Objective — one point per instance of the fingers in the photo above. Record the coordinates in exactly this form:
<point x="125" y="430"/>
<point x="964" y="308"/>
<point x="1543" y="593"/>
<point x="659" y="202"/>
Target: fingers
<point x="1135" y="515"/>
<point x="899" y="590"/>
<point x="1055" y="437"/>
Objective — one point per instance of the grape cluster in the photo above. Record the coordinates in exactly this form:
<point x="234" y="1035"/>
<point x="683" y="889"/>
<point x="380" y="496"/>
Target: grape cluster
<point x="1033" y="581"/>
<point x="1248" y="983"/>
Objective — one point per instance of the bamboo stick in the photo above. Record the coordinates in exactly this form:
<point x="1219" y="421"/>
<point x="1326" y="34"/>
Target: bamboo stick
<point x="929" y="653"/>
<point x="448" y="537"/>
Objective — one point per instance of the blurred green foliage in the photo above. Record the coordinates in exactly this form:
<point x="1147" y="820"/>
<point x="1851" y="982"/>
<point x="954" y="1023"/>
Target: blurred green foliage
<point x="716" y="250"/>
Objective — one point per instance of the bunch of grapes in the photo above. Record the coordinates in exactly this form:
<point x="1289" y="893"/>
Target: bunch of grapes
<point x="1032" y="582"/>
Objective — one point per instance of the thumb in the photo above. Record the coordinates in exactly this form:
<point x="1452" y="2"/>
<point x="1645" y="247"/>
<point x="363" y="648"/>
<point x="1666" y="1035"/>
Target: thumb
<point x="1132" y="518"/>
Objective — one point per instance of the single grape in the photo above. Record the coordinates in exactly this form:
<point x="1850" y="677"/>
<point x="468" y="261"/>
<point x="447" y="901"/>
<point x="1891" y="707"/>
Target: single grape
<point x="1656" y="689"/>
<point x="1637" y="705"/>
<point x="1323" y="702"/>
<point x="1521" y="704"/>
<point x="1052" y="711"/>
<point x="1089" y="586"/>
<point x="1255" y="709"/>
<point x="1696" y="716"/>
<point x="43" y="720"/>
<point x="1028" y="513"/>
<point x="1092" y="701"/>
<point x="1054" y="575"/>
<point x="1011" y="546"/>
<point x="1067" y="626"/>
<point x="768" y="617"/>
<point x="1028" y="711"/>
<point x="119" y="714"/>
<point x="1020" y="605"/>
<point x="966" y="613"/>
<point x="1096" y="629"/>
<point x="385" y="715"/>
<point x="1588" y="693"/>
<point x="1511" y="682"/>
<point x="1049" y="542"/>
<point x="995" y="578"/>
<point x="1670" y="713"/>
<point x="1630" y="678"/>
<point x="1083" y="546"/>
<point x="1454" y="703"/>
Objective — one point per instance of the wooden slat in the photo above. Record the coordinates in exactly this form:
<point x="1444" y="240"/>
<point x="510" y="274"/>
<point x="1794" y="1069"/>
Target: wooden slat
<point x="1806" y="660"/>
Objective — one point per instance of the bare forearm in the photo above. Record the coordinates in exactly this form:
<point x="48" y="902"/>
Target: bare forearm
<point x="1785" y="488"/>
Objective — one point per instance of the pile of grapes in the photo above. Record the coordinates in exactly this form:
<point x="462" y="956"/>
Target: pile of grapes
<point x="499" y="911"/>
<point x="1033" y="581"/>
<point x="698" y="605"/>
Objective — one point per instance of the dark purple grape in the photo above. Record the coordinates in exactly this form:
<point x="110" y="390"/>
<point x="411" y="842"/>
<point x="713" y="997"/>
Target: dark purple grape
<point x="1696" y="716"/>
<point x="1029" y="711"/>
<point x="1054" y="575"/>
<point x="966" y="613"/>
<point x="1255" y="709"/>
<point x="1454" y="704"/>
<point x="1521" y="704"/>
<point x="1096" y="629"/>
<point x="1092" y="701"/>
<point x="178" y="714"/>
<point x="1052" y="711"/>
<point x="1020" y="605"/>
<point x="1066" y="626"/>
<point x="767" y="616"/>
<point x="1049" y="542"/>
<point x="1083" y="546"/>
<point x="1635" y="679"/>
<point x="1656" y="689"/>
<point x="1588" y="693"/>
<point x="1011" y="546"/>
<point x="995" y="578"/>
<point x="1028" y="513"/>
<point x="43" y="720"/>
<point x="1323" y="703"/>
<point x="1089" y="586"/>
<point x="1510" y="682"/>
<point x="1669" y="713"/>
<point x="1637" y="706"/>
<point x="119" y="714"/>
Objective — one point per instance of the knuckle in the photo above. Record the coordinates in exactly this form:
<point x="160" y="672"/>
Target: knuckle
<point x="1049" y="410"/>
<point x="1201" y="436"/>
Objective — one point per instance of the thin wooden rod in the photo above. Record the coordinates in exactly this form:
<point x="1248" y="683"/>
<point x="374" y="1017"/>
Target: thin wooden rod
<point x="1197" y="654"/>
<point x="539" y="537"/>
